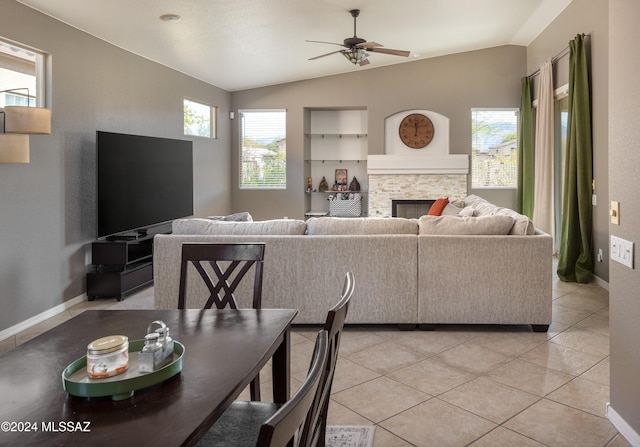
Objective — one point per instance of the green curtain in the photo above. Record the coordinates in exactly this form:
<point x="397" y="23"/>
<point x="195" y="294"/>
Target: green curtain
<point x="525" y="152"/>
<point x="575" y="261"/>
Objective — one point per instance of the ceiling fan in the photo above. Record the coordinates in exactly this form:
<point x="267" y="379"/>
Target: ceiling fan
<point x="357" y="49"/>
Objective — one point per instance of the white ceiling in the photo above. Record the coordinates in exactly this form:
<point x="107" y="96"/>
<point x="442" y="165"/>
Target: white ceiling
<point x="240" y="44"/>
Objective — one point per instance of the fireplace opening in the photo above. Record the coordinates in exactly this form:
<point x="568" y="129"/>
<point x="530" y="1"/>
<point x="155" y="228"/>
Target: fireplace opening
<point x="410" y="209"/>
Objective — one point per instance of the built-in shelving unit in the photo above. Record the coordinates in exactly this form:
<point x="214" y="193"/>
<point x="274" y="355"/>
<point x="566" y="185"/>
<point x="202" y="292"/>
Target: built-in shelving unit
<point x="337" y="139"/>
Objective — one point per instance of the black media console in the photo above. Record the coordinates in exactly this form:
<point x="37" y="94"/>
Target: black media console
<point x="122" y="266"/>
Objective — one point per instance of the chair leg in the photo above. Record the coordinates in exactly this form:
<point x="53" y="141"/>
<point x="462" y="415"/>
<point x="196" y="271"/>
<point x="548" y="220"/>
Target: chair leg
<point x="254" y="389"/>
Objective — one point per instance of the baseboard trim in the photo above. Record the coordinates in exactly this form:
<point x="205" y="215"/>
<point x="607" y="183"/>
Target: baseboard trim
<point x="623" y="427"/>
<point x="601" y="282"/>
<point x="26" y="324"/>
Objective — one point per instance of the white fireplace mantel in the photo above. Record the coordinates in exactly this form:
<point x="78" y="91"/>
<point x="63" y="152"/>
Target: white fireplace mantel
<point x="434" y="164"/>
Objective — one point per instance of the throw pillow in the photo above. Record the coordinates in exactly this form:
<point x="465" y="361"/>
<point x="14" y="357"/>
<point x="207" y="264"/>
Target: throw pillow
<point x="438" y="206"/>
<point x="467" y="211"/>
<point x="235" y="217"/>
<point x="450" y="210"/>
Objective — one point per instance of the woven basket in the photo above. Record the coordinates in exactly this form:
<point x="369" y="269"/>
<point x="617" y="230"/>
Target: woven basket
<point x="345" y="208"/>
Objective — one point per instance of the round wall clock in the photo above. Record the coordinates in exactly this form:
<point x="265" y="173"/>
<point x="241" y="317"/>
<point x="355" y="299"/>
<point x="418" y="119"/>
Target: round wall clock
<point x="416" y="130"/>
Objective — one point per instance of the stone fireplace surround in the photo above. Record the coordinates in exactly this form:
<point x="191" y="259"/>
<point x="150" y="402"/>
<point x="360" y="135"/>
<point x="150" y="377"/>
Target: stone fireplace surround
<point x="384" y="188"/>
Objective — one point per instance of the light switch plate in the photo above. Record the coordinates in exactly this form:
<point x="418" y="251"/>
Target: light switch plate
<point x="622" y="251"/>
<point x="615" y="213"/>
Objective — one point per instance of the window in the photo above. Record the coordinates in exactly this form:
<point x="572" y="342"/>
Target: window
<point x="199" y="119"/>
<point x="22" y="71"/>
<point x="494" y="148"/>
<point x="263" y="149"/>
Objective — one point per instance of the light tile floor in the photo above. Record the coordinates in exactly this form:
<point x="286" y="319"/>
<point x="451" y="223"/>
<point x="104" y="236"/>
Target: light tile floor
<point x="459" y="385"/>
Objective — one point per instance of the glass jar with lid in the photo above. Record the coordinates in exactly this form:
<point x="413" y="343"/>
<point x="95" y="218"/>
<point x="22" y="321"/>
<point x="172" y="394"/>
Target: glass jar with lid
<point x="107" y="356"/>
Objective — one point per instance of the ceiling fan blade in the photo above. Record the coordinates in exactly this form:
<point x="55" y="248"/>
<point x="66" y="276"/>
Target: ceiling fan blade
<point x="403" y="53"/>
<point x="323" y="55"/>
<point x="369" y="45"/>
<point x="364" y="62"/>
<point x="321" y="41"/>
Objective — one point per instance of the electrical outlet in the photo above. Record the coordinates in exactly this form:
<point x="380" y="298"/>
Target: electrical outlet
<point x="622" y="251"/>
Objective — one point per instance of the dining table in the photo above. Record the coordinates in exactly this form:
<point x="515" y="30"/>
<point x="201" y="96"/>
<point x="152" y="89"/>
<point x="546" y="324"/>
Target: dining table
<point x="223" y="352"/>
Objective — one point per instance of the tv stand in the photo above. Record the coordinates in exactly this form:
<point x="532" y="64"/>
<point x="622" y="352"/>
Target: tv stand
<point x="122" y="265"/>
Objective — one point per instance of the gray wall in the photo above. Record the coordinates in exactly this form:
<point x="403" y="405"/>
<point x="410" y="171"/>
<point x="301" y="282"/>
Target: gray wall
<point x="588" y="17"/>
<point x="450" y="85"/>
<point x="48" y="210"/>
<point x="624" y="168"/>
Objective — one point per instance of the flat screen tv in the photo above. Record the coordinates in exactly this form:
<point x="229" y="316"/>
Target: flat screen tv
<point x="141" y="182"/>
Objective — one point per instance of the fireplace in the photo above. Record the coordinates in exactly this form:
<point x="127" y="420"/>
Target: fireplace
<point x="410" y="209"/>
<point x="409" y="175"/>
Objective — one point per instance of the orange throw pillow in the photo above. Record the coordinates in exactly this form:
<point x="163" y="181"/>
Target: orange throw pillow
<point x="438" y="206"/>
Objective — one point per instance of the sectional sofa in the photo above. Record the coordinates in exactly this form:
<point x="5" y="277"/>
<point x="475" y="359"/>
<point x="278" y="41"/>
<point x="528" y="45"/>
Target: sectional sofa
<point x="475" y="264"/>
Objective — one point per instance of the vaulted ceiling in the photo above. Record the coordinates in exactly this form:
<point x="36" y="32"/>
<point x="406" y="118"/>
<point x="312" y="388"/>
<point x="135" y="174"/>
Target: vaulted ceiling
<point x="242" y="44"/>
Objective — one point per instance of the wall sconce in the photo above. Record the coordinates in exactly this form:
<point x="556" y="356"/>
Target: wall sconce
<point x="16" y="124"/>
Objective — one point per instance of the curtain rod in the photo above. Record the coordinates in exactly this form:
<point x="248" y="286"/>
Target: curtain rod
<point x="557" y="57"/>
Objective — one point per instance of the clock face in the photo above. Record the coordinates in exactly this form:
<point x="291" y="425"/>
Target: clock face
<point x="416" y="131"/>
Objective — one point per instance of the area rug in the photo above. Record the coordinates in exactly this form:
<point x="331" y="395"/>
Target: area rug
<point x="350" y="435"/>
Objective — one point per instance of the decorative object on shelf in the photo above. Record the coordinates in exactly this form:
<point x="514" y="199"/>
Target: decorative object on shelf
<point x="309" y="184"/>
<point x="416" y="130"/>
<point x="341" y="176"/>
<point x="324" y="186"/>
<point x="354" y="185"/>
<point x="157" y="350"/>
<point x="16" y="123"/>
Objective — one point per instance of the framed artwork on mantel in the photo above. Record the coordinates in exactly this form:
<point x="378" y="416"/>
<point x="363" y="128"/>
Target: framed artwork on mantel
<point x="341" y="176"/>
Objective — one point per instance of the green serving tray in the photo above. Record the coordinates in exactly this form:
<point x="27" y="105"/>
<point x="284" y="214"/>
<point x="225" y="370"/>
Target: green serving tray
<point x="76" y="382"/>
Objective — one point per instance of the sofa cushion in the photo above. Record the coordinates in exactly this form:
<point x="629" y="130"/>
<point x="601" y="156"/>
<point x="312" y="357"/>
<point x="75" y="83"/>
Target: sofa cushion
<point x="489" y="225"/>
<point x="235" y="217"/>
<point x="437" y="208"/>
<point x="522" y="225"/>
<point x="263" y="227"/>
<point x="361" y="225"/>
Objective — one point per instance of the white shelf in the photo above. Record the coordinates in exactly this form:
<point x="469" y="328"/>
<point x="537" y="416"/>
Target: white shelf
<point x="336" y="135"/>
<point x="337" y="140"/>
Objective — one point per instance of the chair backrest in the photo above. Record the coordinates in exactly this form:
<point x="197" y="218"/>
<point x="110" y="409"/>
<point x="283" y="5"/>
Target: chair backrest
<point x="316" y="424"/>
<point x="222" y="267"/>
<point x="283" y="426"/>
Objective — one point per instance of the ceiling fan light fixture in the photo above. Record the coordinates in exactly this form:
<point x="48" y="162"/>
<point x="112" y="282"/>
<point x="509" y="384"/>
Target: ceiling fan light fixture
<point x="355" y="55"/>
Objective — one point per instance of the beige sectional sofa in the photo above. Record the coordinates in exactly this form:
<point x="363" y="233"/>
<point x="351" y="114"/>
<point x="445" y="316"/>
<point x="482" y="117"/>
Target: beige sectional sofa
<point x="482" y="265"/>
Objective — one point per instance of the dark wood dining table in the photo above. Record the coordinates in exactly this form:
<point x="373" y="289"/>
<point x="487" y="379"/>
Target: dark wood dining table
<point x="224" y="350"/>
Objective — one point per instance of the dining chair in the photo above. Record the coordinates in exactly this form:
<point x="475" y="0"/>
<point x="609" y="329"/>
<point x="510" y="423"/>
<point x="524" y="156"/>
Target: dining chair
<point x="313" y="434"/>
<point x="222" y="268"/>
<point x="228" y="265"/>
<point x="266" y="424"/>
